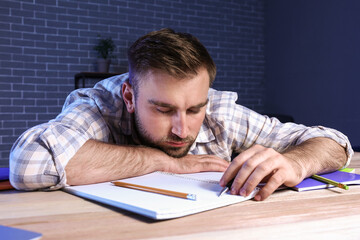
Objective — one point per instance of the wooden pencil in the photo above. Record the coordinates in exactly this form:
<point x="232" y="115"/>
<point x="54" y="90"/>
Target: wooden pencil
<point x="155" y="190"/>
<point x="329" y="181"/>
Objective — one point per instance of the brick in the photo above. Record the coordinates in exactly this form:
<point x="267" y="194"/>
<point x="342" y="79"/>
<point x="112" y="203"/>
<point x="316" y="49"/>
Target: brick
<point x="57" y="52"/>
<point x="23" y="102"/>
<point x="69" y="60"/>
<point x="33" y="36"/>
<point x="22" y="13"/>
<point x="23" y="72"/>
<point x="68" y="46"/>
<point x="54" y="110"/>
<point x="46" y="88"/>
<point x="34" y="109"/>
<point x="59" y="95"/>
<point x="46" y="102"/>
<point x="10" y="19"/>
<point x="11" y="64"/>
<point x="55" y="10"/>
<point x="34" y="51"/>
<point x="78" y="26"/>
<point x="5" y="86"/>
<point x="13" y="49"/>
<point x="14" y="124"/>
<point x="4" y="10"/>
<point x="5" y="147"/>
<point x="25" y="116"/>
<point x="78" y="12"/>
<point x="33" y="7"/>
<point x="30" y="124"/>
<point x="46" y="2"/>
<point x="20" y="130"/>
<point x="68" y="32"/>
<point x="68" y="18"/>
<point x="7" y="94"/>
<point x="5" y="102"/>
<point x="68" y="5"/>
<point x="46" y="59"/>
<point x="56" y="24"/>
<point x="23" y="87"/>
<point x="45" y="30"/>
<point x="34" y="65"/>
<point x="23" y="43"/>
<point x="23" y="58"/>
<point x="5" y="155"/>
<point x="4" y="132"/>
<point x="55" y="38"/>
<point x="6" y="116"/>
<point x="46" y="73"/>
<point x="34" y="80"/>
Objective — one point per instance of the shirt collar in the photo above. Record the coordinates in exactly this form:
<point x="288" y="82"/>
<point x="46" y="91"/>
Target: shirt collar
<point x="205" y="134"/>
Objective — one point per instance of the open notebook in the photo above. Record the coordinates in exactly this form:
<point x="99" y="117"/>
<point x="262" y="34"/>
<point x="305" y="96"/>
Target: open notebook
<point x="205" y="185"/>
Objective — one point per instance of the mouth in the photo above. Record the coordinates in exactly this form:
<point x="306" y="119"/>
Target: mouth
<point x="177" y="144"/>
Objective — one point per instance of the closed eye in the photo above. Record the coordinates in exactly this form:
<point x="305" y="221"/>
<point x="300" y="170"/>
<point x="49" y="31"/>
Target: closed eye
<point x="193" y="110"/>
<point x="164" y="110"/>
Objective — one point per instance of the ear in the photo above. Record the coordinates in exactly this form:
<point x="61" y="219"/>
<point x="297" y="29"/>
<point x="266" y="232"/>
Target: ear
<point x="128" y="96"/>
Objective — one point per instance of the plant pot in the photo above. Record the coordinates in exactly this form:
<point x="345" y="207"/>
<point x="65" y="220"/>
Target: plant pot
<point x="103" y="64"/>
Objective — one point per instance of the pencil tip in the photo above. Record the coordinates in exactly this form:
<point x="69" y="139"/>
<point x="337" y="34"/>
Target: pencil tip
<point x="224" y="190"/>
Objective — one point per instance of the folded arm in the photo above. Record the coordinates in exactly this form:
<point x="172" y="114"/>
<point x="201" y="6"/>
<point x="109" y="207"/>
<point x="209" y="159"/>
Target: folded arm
<point x="100" y="162"/>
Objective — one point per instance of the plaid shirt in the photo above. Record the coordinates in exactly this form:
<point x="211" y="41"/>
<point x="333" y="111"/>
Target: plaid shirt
<point x="38" y="158"/>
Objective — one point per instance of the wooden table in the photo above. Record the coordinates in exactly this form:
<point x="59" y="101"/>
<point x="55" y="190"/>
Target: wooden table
<point x="287" y="214"/>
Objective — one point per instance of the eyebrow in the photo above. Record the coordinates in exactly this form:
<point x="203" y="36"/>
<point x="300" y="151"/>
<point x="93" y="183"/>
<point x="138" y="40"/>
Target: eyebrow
<point x="167" y="105"/>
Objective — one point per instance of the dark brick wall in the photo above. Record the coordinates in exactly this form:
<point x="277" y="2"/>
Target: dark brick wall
<point x="43" y="43"/>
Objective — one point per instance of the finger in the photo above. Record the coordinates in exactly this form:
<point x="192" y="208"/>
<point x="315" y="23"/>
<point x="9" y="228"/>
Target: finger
<point x="215" y="166"/>
<point x="235" y="165"/>
<point x="212" y="161"/>
<point x="275" y="181"/>
<point x="202" y="163"/>
<point x="252" y="172"/>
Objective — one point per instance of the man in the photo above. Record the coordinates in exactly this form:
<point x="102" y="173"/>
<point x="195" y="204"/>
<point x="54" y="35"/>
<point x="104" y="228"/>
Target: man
<point x="163" y="116"/>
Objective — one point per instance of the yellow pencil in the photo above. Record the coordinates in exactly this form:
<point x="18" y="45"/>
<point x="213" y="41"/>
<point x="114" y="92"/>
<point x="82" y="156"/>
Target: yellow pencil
<point x="155" y="190"/>
<point x="329" y="181"/>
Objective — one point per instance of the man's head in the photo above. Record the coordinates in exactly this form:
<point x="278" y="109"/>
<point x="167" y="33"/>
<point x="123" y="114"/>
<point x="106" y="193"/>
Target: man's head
<point x="170" y="75"/>
<point x="178" y="54"/>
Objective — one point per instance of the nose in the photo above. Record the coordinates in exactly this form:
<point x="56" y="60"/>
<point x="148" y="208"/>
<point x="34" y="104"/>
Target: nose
<point x="179" y="125"/>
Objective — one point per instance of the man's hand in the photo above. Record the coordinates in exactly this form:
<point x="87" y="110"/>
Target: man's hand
<point x="258" y="164"/>
<point x="197" y="163"/>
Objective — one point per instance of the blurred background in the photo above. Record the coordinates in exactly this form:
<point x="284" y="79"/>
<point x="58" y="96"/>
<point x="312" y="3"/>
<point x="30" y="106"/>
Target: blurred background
<point x="297" y="58"/>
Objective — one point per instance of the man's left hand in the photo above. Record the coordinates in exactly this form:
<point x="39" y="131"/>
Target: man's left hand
<point x="258" y="164"/>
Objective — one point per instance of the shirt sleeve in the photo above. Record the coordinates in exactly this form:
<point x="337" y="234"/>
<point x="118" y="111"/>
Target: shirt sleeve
<point x="39" y="156"/>
<point x="270" y="132"/>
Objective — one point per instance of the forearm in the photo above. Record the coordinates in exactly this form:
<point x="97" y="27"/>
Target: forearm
<point x="317" y="155"/>
<point x="100" y="162"/>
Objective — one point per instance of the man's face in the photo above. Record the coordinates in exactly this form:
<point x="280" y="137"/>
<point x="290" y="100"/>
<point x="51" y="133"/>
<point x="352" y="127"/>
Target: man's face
<point x="169" y="112"/>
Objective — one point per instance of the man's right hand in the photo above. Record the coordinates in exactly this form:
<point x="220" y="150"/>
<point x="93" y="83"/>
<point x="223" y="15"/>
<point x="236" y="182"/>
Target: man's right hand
<point x="197" y="163"/>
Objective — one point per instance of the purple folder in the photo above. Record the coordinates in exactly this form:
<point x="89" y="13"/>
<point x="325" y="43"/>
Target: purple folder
<point x="4" y="174"/>
<point x="338" y="176"/>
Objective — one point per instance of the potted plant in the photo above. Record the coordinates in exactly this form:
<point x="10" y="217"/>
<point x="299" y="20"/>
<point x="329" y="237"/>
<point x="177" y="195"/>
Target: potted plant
<point x="105" y="49"/>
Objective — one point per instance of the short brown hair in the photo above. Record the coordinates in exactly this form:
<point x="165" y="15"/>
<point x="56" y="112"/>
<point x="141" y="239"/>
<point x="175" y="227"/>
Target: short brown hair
<point x="178" y="54"/>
